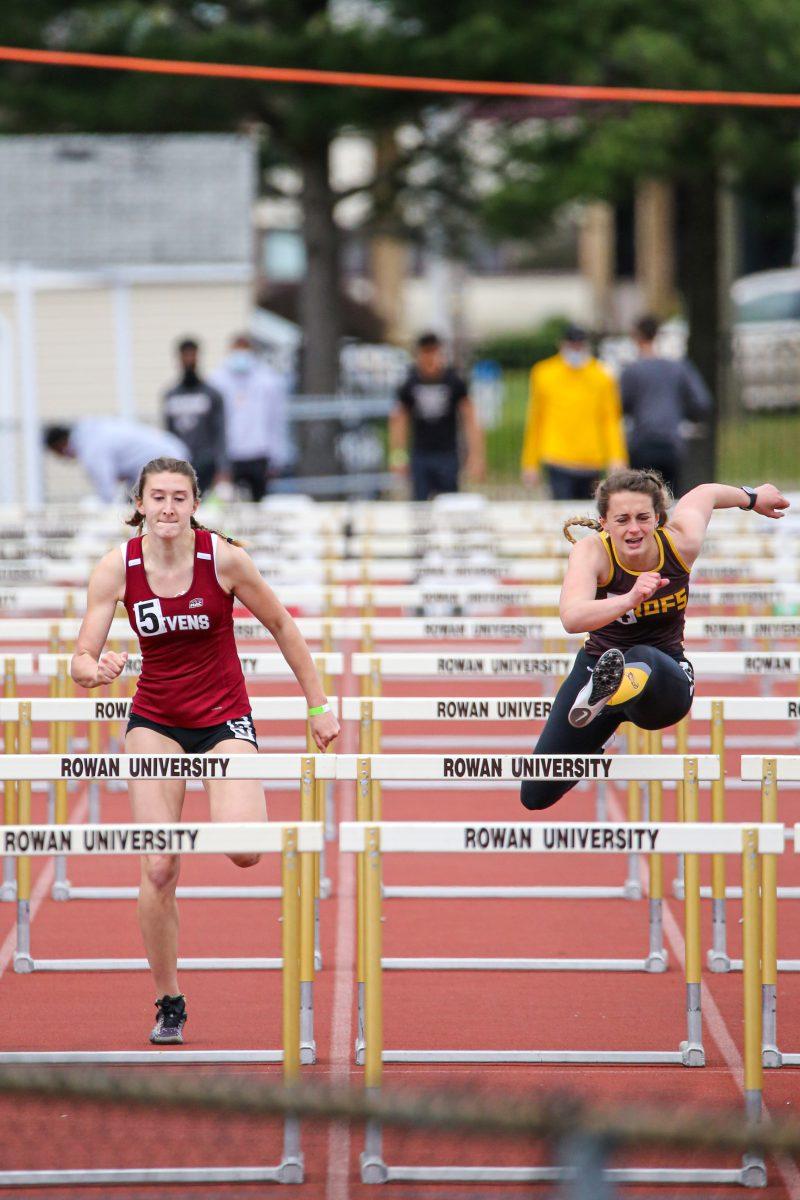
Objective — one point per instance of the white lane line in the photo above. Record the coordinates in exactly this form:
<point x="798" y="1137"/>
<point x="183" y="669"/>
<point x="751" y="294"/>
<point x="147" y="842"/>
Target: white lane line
<point x="337" y="1181"/>
<point x="713" y="1020"/>
<point x="40" y="891"/>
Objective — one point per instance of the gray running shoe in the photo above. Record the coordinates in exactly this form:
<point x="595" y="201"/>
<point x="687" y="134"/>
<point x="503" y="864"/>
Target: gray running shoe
<point x="168" y="1029"/>
<point x="595" y="695"/>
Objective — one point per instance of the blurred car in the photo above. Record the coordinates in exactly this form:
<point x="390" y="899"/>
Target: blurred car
<point x="765" y="342"/>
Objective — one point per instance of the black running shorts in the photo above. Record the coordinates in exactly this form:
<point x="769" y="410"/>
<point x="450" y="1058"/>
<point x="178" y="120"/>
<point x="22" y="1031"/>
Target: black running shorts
<point x="200" y="741"/>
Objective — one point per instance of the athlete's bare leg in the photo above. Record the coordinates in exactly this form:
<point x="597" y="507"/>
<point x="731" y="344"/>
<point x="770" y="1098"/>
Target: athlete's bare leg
<point x="237" y="799"/>
<point x="158" y="800"/>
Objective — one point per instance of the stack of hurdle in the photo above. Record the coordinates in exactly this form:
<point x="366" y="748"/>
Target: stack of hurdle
<point x="478" y="583"/>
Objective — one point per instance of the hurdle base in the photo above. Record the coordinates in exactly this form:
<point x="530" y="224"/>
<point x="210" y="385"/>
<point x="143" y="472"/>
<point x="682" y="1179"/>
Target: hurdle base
<point x="373" y="1169"/>
<point x="8" y="890"/>
<point x="754" y="1171"/>
<point x="24" y="964"/>
<point x="656" y="962"/>
<point x="541" y="892"/>
<point x="632" y="889"/>
<point x="618" y="1057"/>
<point x="652" y="1175"/>
<point x="325" y="888"/>
<point x="771" y="1056"/>
<point x="135" y="1057"/>
<point x="718" y="962"/>
<point x="291" y="1170"/>
<point x="692" y="1054"/>
<point x="60" y="890"/>
<point x="521" y="964"/>
<point x="147" y="1175"/>
<point x="182" y="893"/>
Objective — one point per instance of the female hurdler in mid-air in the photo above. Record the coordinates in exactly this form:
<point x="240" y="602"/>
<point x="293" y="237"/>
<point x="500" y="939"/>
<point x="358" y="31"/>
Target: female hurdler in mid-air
<point x="627" y="587"/>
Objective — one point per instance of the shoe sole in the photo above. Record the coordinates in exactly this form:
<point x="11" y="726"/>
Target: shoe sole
<point x="175" y="1040"/>
<point x="606" y="678"/>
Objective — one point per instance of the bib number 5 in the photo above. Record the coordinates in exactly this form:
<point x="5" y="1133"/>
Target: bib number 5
<point x="148" y="617"/>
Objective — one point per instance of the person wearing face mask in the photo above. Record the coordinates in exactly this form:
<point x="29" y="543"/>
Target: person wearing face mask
<point x="255" y="397"/>
<point x="573" y="429"/>
<point x="194" y="412"/>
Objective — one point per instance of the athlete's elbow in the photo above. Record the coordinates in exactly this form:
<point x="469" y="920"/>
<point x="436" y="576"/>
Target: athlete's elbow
<point x="571" y="622"/>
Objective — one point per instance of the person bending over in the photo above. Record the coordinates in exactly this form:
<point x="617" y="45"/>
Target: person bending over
<point x="177" y="581"/>
<point x="627" y="587"/>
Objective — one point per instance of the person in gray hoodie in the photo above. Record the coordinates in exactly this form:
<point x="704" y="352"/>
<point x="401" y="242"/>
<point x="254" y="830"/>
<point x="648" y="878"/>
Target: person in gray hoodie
<point x="658" y="396"/>
<point x="255" y="396"/>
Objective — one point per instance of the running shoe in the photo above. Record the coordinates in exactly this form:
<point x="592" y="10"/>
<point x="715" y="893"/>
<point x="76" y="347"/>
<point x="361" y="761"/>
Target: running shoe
<point x="168" y="1029"/>
<point x="595" y="695"/>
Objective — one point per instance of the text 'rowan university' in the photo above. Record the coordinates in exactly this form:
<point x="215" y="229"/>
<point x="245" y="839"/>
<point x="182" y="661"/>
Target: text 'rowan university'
<point x="543" y="767"/>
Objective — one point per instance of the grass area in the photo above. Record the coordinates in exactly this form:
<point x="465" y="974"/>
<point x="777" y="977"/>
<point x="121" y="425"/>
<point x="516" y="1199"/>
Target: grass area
<point x="751" y="446"/>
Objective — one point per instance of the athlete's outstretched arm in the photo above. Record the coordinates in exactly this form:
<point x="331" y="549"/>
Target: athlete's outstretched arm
<point x="689" y="519"/>
<point x="238" y="572"/>
<point x="90" y="668"/>
<point x="580" y="612"/>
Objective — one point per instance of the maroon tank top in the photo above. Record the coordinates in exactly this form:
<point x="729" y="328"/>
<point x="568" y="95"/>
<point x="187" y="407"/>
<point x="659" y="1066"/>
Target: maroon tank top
<point x="191" y="675"/>
<point x="656" y="622"/>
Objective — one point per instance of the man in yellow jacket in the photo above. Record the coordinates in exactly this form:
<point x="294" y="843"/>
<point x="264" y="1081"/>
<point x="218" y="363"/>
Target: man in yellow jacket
<point x="573" y="427"/>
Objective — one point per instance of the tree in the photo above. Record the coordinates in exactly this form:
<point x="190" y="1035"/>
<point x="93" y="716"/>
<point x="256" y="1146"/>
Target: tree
<point x="297" y="126"/>
<point x="599" y="151"/>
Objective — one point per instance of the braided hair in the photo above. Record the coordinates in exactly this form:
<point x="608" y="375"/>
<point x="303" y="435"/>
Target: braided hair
<point x="647" y="482"/>
<point x="171" y="466"/>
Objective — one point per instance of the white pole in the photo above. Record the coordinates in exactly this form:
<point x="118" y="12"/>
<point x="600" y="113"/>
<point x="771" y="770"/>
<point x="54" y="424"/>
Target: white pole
<point x="8" y="430"/>
<point x="26" y="325"/>
<point x="123" y="360"/>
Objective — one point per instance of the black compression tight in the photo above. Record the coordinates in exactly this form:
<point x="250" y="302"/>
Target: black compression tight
<point x="665" y="698"/>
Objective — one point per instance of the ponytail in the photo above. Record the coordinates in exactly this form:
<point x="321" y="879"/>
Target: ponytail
<point x="588" y="522"/>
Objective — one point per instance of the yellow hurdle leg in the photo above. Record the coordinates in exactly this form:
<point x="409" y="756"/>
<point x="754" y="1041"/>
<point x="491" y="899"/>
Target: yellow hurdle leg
<point x="754" y="1171"/>
<point x="769" y="922"/>
<point x="693" y="1054"/>
<point x="8" y="887"/>
<point x="292" y="1161"/>
<point x="657" y="955"/>
<point x="372" y="1165"/>
<point x="308" y="1049"/>
<point x="23" y="962"/>
<point x="718" y="958"/>
<point x="363" y="804"/>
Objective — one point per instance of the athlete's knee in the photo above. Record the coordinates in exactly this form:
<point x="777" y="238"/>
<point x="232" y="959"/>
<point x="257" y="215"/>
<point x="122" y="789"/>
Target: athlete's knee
<point x="161" y="871"/>
<point x="536" y="796"/>
<point x="244" y="860"/>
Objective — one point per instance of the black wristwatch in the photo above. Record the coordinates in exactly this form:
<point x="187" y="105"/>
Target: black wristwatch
<point x="752" y="495"/>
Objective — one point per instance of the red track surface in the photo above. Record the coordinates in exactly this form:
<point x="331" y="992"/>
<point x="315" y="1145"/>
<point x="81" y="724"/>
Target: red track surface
<point x="422" y="1009"/>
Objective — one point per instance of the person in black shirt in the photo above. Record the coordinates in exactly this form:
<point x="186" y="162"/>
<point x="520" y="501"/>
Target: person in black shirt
<point x="194" y="411"/>
<point x="431" y="404"/>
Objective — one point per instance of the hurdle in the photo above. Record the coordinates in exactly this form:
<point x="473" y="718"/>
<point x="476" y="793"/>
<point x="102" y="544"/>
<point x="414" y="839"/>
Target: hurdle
<point x="24" y="768"/>
<point x="769" y="772"/>
<point x="372" y="711"/>
<point x="372" y="841"/>
<point x="717" y="710"/>
<point x="366" y="769"/>
<point x="58" y="711"/>
<point x="295" y="843"/>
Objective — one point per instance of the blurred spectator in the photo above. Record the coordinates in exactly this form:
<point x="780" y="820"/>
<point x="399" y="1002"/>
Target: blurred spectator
<point x="255" y="397"/>
<point x="194" y="412"/>
<point x="573" y="427"/>
<point x="431" y="403"/>
<point x="112" y="450"/>
<point x="658" y="395"/>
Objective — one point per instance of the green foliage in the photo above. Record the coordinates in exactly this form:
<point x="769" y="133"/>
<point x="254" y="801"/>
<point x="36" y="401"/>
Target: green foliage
<point x="521" y="350"/>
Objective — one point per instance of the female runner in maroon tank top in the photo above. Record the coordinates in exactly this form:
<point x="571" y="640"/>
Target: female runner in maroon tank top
<point x="627" y="587"/>
<point x="178" y="583"/>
